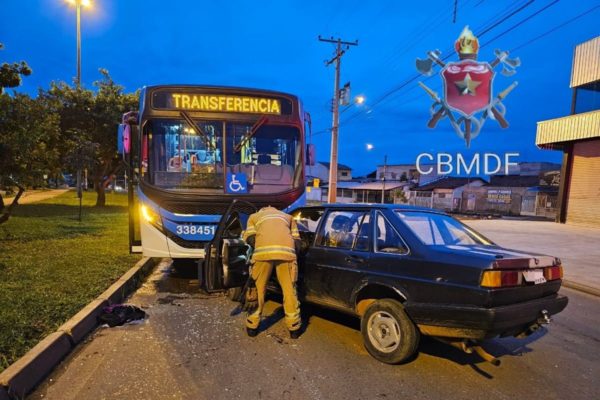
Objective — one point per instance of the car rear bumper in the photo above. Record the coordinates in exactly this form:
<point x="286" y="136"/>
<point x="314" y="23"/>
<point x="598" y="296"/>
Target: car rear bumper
<point x="480" y="323"/>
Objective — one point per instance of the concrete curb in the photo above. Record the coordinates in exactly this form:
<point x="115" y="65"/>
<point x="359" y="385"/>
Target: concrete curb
<point x="83" y="322"/>
<point x="128" y="282"/>
<point x="581" y="287"/>
<point x="21" y="377"/>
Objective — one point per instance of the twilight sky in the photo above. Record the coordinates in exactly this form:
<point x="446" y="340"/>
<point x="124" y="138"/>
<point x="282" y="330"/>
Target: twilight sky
<point x="273" y="45"/>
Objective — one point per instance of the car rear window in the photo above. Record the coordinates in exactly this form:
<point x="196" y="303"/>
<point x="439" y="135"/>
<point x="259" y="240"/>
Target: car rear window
<point x="438" y="229"/>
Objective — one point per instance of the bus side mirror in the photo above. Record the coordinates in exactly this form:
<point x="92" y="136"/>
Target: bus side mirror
<point x="311" y="154"/>
<point x="124" y="139"/>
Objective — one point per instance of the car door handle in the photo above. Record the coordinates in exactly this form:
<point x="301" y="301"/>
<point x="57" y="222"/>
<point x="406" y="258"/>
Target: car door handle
<point x="354" y="259"/>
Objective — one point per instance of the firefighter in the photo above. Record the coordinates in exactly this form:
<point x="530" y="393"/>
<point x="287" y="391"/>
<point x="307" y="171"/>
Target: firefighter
<point x="275" y="236"/>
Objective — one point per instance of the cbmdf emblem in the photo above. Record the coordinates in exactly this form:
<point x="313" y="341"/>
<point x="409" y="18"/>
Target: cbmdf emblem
<point x="468" y="99"/>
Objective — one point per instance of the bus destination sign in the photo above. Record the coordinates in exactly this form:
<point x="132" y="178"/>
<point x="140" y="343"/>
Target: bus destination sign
<point x="217" y="103"/>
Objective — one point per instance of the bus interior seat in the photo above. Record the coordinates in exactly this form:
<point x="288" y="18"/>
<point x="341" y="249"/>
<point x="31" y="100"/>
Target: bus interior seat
<point x="263" y="159"/>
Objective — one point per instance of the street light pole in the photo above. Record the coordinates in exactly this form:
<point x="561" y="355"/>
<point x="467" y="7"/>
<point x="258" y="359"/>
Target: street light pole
<point x="78" y="6"/>
<point x="383" y="179"/>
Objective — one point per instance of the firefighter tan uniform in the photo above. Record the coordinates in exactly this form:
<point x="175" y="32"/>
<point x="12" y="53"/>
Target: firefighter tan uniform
<point x="274" y="249"/>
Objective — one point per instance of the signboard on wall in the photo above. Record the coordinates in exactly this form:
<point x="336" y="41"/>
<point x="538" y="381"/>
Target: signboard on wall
<point x="498" y="196"/>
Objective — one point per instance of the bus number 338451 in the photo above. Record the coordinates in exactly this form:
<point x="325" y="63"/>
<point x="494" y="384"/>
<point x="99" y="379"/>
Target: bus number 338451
<point x="196" y="229"/>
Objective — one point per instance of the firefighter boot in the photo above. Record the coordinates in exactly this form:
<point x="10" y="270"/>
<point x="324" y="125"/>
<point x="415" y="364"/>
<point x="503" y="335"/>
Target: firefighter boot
<point x="252" y="332"/>
<point x="295" y="334"/>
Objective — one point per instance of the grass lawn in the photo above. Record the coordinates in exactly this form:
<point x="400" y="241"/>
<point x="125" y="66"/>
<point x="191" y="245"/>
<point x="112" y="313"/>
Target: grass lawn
<point x="51" y="265"/>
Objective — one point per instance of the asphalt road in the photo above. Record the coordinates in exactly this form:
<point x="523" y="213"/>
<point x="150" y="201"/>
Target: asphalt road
<point x="191" y="348"/>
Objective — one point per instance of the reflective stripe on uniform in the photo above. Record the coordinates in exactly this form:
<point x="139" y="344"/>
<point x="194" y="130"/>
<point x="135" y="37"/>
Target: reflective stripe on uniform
<point x="266" y="217"/>
<point x="264" y="249"/>
<point x="248" y="232"/>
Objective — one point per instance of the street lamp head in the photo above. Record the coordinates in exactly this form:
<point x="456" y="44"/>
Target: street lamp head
<point x="369" y="146"/>
<point x="360" y="99"/>
<point x="84" y="3"/>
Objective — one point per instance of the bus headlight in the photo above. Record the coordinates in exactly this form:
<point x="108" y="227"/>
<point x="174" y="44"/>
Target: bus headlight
<point x="150" y="216"/>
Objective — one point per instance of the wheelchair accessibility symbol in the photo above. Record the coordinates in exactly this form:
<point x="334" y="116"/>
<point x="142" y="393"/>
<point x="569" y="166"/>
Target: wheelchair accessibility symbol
<point x="236" y="183"/>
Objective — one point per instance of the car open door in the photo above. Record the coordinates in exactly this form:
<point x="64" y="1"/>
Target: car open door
<point x="227" y="256"/>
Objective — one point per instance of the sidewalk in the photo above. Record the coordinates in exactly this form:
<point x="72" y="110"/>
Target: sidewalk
<point x="578" y="247"/>
<point x="31" y="196"/>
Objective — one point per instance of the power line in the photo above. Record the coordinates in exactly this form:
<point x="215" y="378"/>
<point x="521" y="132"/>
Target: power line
<point x="518" y="10"/>
<point x="536" y="38"/>
<point x="455" y="9"/>
<point x="521" y="22"/>
<point x="506" y="13"/>
<point x="486" y="30"/>
<point x="417" y="35"/>
<point x="530" y="41"/>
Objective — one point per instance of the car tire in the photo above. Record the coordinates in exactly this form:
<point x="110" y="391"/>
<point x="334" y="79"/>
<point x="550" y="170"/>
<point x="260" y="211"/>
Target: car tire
<point x="388" y="333"/>
<point x="234" y="293"/>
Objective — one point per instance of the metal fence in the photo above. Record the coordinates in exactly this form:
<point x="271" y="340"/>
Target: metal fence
<point x="487" y="200"/>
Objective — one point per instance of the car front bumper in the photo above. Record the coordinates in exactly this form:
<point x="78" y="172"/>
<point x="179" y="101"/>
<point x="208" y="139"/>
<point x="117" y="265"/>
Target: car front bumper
<point x="461" y="321"/>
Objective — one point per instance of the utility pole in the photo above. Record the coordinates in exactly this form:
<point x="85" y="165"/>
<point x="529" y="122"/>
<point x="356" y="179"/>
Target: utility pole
<point x="340" y="49"/>
<point x="383" y="179"/>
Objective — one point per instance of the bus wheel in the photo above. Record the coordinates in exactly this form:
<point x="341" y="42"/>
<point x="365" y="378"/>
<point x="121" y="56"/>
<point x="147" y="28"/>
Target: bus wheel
<point x="233" y="294"/>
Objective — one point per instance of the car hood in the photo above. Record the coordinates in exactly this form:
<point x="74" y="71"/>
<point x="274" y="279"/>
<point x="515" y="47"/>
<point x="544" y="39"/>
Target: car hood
<point x="495" y="257"/>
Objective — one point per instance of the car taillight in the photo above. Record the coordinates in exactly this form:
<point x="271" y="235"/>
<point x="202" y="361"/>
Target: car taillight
<point x="494" y="279"/>
<point x="553" y="273"/>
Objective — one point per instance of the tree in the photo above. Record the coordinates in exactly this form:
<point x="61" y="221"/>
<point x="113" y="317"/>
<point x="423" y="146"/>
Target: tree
<point x="400" y="196"/>
<point x="90" y="119"/>
<point x="10" y="74"/>
<point x="28" y="134"/>
<point x="10" y="77"/>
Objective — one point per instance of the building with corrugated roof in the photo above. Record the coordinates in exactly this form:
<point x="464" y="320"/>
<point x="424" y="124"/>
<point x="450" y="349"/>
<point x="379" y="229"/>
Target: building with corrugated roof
<point x="578" y="137"/>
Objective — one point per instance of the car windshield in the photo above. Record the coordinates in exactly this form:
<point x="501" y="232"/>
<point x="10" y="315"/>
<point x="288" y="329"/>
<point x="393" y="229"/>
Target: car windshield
<point x="440" y="230"/>
<point x="221" y="156"/>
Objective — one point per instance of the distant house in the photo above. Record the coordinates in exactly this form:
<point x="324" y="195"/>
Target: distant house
<point x="530" y="195"/>
<point x="398" y="172"/>
<point x="321" y="171"/>
<point x="444" y="193"/>
<point x="528" y="168"/>
<point x="345" y="191"/>
<point x="514" y="180"/>
<point x="367" y="192"/>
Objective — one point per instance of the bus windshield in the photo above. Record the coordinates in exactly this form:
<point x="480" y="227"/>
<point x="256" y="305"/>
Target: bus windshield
<point x="224" y="157"/>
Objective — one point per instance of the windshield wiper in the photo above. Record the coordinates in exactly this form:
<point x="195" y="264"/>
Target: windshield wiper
<point x="261" y="121"/>
<point x="197" y="128"/>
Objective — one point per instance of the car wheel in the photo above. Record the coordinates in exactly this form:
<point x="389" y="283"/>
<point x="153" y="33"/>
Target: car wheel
<point x="234" y="293"/>
<point x="389" y="335"/>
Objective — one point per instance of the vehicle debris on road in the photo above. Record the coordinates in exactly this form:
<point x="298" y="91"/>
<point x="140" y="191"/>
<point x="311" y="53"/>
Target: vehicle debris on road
<point x="121" y="314"/>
